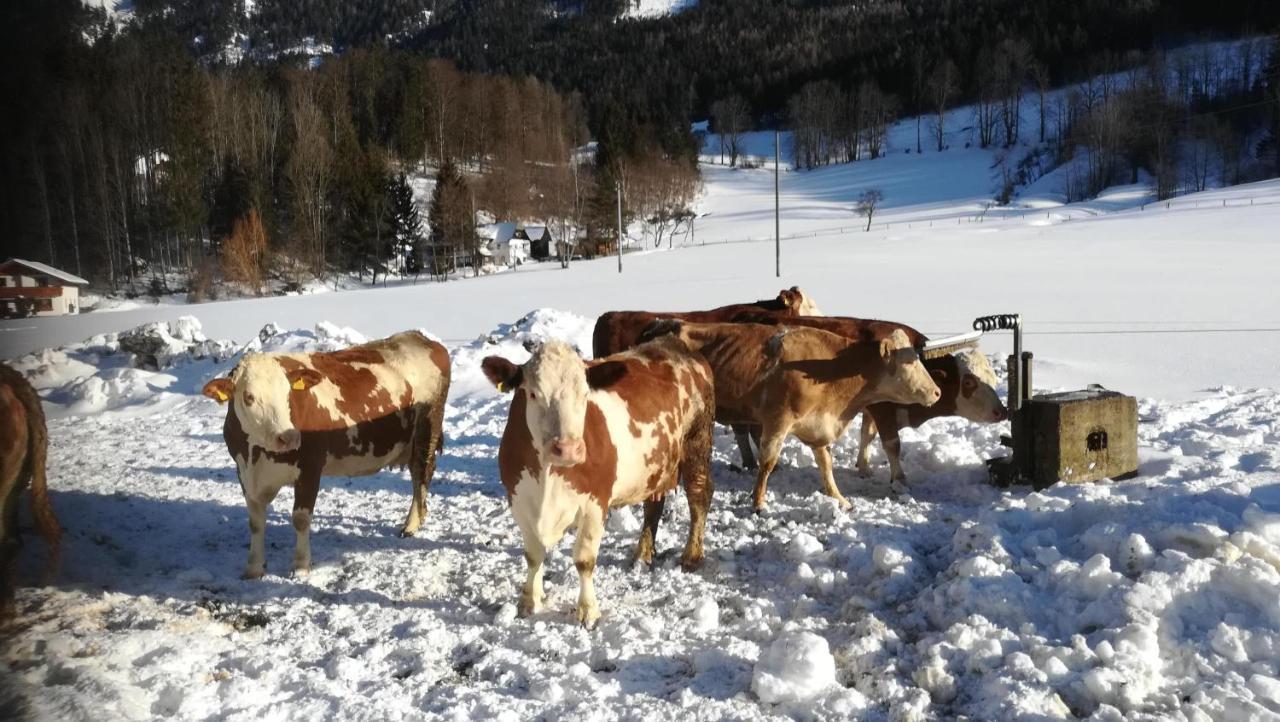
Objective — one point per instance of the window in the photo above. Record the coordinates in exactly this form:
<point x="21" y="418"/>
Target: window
<point x="4" y="281"/>
<point x="42" y="281"/>
<point x="44" y="304"/>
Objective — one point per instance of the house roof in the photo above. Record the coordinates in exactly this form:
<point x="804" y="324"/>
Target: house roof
<point x="47" y="270"/>
<point x="535" y="233"/>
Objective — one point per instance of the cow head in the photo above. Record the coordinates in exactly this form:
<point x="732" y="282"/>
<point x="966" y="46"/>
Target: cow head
<point x="976" y="398"/>
<point x="555" y="383"/>
<point x="796" y="300"/>
<point x="260" y="389"/>
<point x="905" y="381"/>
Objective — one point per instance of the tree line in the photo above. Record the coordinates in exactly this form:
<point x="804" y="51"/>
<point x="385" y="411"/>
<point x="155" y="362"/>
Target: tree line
<point x="127" y="159"/>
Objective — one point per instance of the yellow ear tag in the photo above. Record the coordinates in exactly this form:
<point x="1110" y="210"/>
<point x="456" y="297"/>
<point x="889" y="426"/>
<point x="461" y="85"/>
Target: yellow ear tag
<point x="299" y="385"/>
<point x="502" y="388"/>
<point x="222" y="395"/>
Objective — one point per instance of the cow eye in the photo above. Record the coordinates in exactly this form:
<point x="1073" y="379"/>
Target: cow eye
<point x="248" y="399"/>
<point x="532" y="395"/>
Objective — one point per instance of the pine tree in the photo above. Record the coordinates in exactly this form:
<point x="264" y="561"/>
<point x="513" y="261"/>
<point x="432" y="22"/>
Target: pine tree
<point x="405" y="224"/>
<point x="453" y="232"/>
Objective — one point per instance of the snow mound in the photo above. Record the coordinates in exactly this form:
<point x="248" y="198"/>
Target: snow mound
<point x="798" y="667"/>
<point x="513" y="340"/>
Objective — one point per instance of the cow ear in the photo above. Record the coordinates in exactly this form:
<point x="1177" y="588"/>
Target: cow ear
<point x="604" y="375"/>
<point x="503" y="374"/>
<point x="219" y="390"/>
<point x="886" y="349"/>
<point x="303" y="379"/>
<point x="788" y="297"/>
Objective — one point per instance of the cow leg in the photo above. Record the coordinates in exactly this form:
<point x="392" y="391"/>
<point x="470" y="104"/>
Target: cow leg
<point x="695" y="469"/>
<point x="822" y="454"/>
<point x="11" y="486"/>
<point x="257" y="502"/>
<point x="770" y="448"/>
<point x="532" y="596"/>
<point x="425" y="445"/>
<point x="892" y="446"/>
<point x="585" y="548"/>
<point x="649" y="534"/>
<point x="742" y="434"/>
<point x="304" y="503"/>
<point x="864" y="444"/>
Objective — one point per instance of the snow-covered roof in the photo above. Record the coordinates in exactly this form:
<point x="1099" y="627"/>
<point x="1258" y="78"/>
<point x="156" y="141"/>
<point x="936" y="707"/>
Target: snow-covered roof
<point x="535" y="233"/>
<point x="496" y="232"/>
<point x="39" y="267"/>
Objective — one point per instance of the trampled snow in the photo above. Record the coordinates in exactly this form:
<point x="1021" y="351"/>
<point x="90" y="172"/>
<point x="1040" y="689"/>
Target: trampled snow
<point x="1151" y="598"/>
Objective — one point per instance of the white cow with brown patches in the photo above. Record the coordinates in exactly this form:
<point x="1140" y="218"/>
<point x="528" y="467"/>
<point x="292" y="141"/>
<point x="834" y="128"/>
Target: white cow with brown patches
<point x="294" y="417"/>
<point x="586" y="436"/>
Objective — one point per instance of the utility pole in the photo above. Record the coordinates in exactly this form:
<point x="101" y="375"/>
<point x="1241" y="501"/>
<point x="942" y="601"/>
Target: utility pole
<point x="777" y="223"/>
<point x="617" y="185"/>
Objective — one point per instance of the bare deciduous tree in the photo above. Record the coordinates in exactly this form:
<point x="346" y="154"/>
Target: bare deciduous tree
<point x="867" y="202"/>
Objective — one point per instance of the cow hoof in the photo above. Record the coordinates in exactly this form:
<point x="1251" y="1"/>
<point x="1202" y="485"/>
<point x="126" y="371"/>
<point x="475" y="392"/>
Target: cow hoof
<point x="406" y="533"/>
<point x="529" y="607"/>
<point x="301" y="573"/>
<point x="691" y="564"/>
<point x="864" y="472"/>
<point x="588" y="618"/>
<point x="253" y="573"/>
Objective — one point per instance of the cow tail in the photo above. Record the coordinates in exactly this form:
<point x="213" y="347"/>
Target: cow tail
<point x="37" y="458"/>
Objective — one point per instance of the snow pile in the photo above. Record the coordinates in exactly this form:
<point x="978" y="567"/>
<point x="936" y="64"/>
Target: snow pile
<point x="142" y="366"/>
<point x="797" y="668"/>
<point x="513" y="341"/>
<point x="159" y="345"/>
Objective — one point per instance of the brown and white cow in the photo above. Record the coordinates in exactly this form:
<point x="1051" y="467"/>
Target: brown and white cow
<point x="617" y="331"/>
<point x="802" y="381"/>
<point x="586" y="436"/>
<point x="965" y="377"/>
<point x="24" y="442"/>
<point x="294" y="417"/>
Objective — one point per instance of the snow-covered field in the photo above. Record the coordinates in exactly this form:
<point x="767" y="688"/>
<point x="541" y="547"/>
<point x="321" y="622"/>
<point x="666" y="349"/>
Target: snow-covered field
<point x="1155" y="598"/>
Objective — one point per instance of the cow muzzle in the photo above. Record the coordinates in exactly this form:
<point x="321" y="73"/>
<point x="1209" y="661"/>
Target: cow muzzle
<point x="566" y="451"/>
<point x="289" y="440"/>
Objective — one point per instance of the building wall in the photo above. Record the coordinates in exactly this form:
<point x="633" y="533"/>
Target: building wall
<point x="41" y="300"/>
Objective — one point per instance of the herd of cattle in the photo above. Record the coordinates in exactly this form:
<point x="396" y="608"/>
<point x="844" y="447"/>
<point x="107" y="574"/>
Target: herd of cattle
<point x="582" y="436"/>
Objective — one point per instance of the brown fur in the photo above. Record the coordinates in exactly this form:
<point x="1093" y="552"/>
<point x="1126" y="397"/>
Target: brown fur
<point x="803" y="381"/>
<point x="617" y="331"/>
<point x="881" y="418"/>
<point x="23" y="448"/>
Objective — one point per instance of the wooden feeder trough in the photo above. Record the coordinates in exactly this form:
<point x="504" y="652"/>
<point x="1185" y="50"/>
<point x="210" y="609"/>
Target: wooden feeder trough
<point x="1073" y="437"/>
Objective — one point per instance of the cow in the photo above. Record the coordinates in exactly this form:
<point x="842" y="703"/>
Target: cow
<point x="617" y="331"/>
<point x="294" y="417"/>
<point x="24" y="443"/>
<point x="965" y="377"/>
<point x="583" y="437"/>
<point x="801" y="381"/>
<point x="968" y="391"/>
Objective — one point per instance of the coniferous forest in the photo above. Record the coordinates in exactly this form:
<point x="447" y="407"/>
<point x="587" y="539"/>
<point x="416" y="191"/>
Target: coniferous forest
<point x="194" y="138"/>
